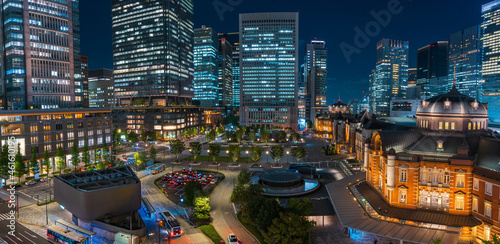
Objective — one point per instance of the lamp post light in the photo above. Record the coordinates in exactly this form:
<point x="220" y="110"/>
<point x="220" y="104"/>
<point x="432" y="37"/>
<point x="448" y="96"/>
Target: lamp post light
<point x="227" y="159"/>
<point x="267" y="159"/>
<point x="247" y="155"/>
<point x="287" y="152"/>
<point x="190" y="150"/>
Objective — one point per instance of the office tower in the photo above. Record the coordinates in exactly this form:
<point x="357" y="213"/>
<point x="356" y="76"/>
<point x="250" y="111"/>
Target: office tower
<point x="269" y="69"/>
<point x="465" y="61"/>
<point x="390" y="78"/>
<point x="490" y="54"/>
<point x="315" y="76"/>
<point x="225" y="73"/>
<point x="412" y="77"/>
<point x="432" y="69"/>
<point x="84" y="62"/>
<point x="205" y="67"/>
<point x="302" y="98"/>
<point x="153" y="51"/>
<point x="40" y="59"/>
<point x="234" y="39"/>
<point x="101" y="88"/>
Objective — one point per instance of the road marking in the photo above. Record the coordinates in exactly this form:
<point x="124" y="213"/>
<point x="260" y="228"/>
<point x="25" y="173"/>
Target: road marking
<point x="7" y="236"/>
<point x="234" y="207"/>
<point x="27" y="238"/>
<point x="4" y="216"/>
<point x="25" y="194"/>
<point x="30" y="234"/>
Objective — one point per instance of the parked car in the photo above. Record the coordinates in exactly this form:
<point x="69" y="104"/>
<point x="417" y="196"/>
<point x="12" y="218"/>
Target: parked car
<point x="232" y="239"/>
<point x="29" y="183"/>
<point x="17" y="186"/>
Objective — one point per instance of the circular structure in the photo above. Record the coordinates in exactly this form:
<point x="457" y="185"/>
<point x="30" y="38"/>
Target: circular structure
<point x="339" y="107"/>
<point x="452" y="111"/>
<point x="281" y="178"/>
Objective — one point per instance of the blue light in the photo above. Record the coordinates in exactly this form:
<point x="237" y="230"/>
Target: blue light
<point x="62" y="207"/>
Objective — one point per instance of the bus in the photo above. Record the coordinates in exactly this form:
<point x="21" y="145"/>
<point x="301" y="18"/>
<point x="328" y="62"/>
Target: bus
<point x="169" y="222"/>
<point x="157" y="168"/>
<point x="61" y="235"/>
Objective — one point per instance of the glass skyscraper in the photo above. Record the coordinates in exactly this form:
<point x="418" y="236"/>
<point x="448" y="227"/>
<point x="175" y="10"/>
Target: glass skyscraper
<point x="390" y="77"/>
<point x="269" y="69"/>
<point x="225" y="72"/>
<point x="490" y="54"/>
<point x="234" y="39"/>
<point x="153" y="51"/>
<point x="465" y="62"/>
<point x="315" y="73"/>
<point x="40" y="59"/>
<point x="432" y="69"/>
<point x="205" y="67"/>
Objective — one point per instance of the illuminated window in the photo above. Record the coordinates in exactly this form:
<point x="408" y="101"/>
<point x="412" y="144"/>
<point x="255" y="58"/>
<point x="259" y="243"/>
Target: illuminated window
<point x="440" y="146"/>
<point x="476" y="184"/>
<point x="460" y="180"/>
<point x="474" y="126"/>
<point x="470" y="126"/>
<point x="488" y="188"/>
<point x="402" y="195"/>
<point x="403" y="173"/>
<point x="440" y="125"/>
<point x="459" y="202"/>
<point x="487" y="209"/>
<point x="453" y="125"/>
<point x="474" y="204"/>
<point x="478" y="125"/>
<point x="487" y="232"/>
<point x="447" y="125"/>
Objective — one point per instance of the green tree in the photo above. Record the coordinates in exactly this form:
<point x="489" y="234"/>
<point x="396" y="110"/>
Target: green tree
<point x="495" y="240"/>
<point x="75" y="155"/>
<point x="280" y="136"/>
<point x="4" y="160"/>
<point x="202" y="130"/>
<point x="299" y="152"/>
<point x="100" y="166"/>
<point x="33" y="163"/>
<point x="138" y="160"/>
<point x="132" y="137"/>
<point x="252" y="136"/>
<point x="214" y="150"/>
<point x="239" y="135"/>
<point x="46" y="162"/>
<point x="143" y="135"/>
<point x="263" y="210"/>
<point x="211" y="135"/>
<point x="195" y="149"/>
<point x="301" y="206"/>
<point x="177" y="147"/>
<point x="86" y="154"/>
<point x="234" y="152"/>
<point x="243" y="179"/>
<point x="256" y="153"/>
<point x="277" y="153"/>
<point x="191" y="190"/>
<point x="289" y="228"/>
<point x="265" y="136"/>
<point x="202" y="208"/>
<point x="295" y="136"/>
<point x="185" y="134"/>
<point x="152" y="153"/>
<point x="60" y="159"/>
<point x="19" y="165"/>
<point x="116" y="137"/>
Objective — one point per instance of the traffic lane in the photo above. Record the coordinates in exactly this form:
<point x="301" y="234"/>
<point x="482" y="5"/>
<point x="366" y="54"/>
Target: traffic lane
<point x="20" y="234"/>
<point x="223" y="211"/>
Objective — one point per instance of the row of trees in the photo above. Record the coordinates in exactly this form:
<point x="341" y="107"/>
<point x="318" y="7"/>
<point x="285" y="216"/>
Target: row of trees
<point x="276" y="224"/>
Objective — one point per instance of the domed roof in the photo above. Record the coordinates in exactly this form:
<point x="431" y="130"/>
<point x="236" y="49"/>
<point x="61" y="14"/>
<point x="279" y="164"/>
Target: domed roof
<point x="452" y="102"/>
<point x="339" y="104"/>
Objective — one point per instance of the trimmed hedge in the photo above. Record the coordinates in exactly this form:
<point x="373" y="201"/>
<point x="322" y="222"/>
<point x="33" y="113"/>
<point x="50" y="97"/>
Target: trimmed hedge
<point x="210" y="231"/>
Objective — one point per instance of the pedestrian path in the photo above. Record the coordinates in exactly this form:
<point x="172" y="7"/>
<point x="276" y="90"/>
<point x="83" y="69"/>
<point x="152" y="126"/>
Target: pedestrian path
<point x="4" y="216"/>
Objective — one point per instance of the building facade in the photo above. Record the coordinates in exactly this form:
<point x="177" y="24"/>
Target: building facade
<point x="225" y="72"/>
<point x="390" y="77"/>
<point x="153" y="52"/>
<point x="46" y="130"/>
<point x="234" y="39"/>
<point x="101" y="89"/>
<point x="85" y="79"/>
<point x="315" y="76"/>
<point x="169" y="123"/>
<point x="206" y="83"/>
<point x="465" y="62"/>
<point x="269" y="69"/>
<point x="490" y="68"/>
<point x="432" y="70"/>
<point x="40" y="57"/>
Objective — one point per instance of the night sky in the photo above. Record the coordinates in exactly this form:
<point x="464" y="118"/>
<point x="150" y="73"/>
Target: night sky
<point x="421" y="22"/>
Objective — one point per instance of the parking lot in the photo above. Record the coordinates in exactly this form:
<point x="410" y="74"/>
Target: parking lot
<point x="173" y="184"/>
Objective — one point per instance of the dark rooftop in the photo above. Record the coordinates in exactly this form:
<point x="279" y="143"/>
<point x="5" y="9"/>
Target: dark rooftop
<point x="488" y="155"/>
<point x="422" y="216"/>
<point x="100" y="179"/>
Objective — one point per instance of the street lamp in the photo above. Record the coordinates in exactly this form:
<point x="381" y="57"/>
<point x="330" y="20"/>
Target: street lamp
<point x="267" y="159"/>
<point x="287" y="152"/>
<point x="247" y="155"/>
<point x="227" y="159"/>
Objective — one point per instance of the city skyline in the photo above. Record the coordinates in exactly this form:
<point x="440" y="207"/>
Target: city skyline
<point x="332" y="20"/>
